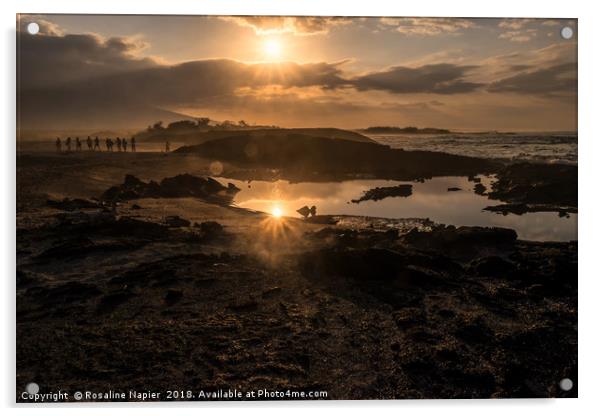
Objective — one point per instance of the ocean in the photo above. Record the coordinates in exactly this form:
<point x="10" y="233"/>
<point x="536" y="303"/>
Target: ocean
<point x="556" y="147"/>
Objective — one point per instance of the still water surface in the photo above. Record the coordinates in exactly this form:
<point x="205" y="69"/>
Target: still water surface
<point x="428" y="200"/>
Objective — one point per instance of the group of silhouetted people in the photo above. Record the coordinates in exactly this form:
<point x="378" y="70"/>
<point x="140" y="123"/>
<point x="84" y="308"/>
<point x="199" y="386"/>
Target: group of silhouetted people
<point x="94" y="144"/>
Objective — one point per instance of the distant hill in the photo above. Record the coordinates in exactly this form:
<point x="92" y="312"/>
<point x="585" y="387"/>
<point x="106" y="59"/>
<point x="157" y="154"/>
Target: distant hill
<point x="404" y="130"/>
<point x="198" y="137"/>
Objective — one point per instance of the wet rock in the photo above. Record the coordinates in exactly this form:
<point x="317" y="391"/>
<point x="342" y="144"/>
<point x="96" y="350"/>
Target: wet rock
<point x="111" y="301"/>
<point x="176" y="221"/>
<point x="68" y="204"/>
<point x="271" y="292"/>
<point x="383" y="272"/>
<point x="173" y="296"/>
<point x="107" y="224"/>
<point x="323" y="219"/>
<point x="480" y="189"/>
<point x="534" y="183"/>
<point x="453" y="189"/>
<point x="521" y="208"/>
<point x="69" y="292"/>
<point x="461" y="239"/>
<point x="492" y="266"/>
<point x="376" y="194"/>
<point x="243" y="305"/>
<point x="179" y="186"/>
<point x="211" y="228"/>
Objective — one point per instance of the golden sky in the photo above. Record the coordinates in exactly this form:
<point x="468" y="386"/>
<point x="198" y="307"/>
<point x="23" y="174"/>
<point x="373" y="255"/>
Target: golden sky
<point x="469" y="74"/>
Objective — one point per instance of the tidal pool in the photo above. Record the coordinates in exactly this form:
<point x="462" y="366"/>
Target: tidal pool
<point x="429" y="199"/>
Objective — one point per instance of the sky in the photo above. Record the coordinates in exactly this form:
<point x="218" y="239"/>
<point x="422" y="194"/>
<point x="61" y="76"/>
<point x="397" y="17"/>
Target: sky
<point x="457" y="73"/>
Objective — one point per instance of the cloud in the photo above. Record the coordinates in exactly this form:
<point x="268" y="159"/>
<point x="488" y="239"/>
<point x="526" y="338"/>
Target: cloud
<point x="519" y="30"/>
<point x="51" y="59"/>
<point x="554" y="80"/>
<point x="427" y="26"/>
<point x="519" y="35"/>
<point x="436" y="78"/>
<point x="514" y="24"/>
<point x="268" y="25"/>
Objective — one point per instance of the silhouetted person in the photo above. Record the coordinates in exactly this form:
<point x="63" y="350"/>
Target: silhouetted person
<point x="133" y="141"/>
<point x="167" y="146"/>
<point x="68" y="143"/>
<point x="78" y="144"/>
<point x="59" y="145"/>
<point x="313" y="210"/>
<point x="124" y="143"/>
<point x="108" y="144"/>
<point x="118" y="140"/>
<point x="89" y="143"/>
<point x="96" y="143"/>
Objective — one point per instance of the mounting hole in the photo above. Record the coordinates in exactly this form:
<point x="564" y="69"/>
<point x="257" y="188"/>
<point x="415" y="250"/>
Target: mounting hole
<point x="566" y="32"/>
<point x="33" y="28"/>
<point x="32" y="388"/>
<point x="566" y="384"/>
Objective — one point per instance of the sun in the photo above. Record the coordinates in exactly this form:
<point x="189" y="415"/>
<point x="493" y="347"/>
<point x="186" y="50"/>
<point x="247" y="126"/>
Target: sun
<point x="272" y="48"/>
<point x="276" y="212"/>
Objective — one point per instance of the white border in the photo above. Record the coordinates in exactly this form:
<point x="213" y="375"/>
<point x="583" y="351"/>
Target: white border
<point x="590" y="147"/>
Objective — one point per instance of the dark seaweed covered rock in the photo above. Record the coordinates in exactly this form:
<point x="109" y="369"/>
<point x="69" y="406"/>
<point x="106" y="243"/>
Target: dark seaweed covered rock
<point x="179" y="186"/>
<point x="68" y="204"/>
<point x="492" y="266"/>
<point x="532" y="183"/>
<point x="461" y="239"/>
<point x="376" y="194"/>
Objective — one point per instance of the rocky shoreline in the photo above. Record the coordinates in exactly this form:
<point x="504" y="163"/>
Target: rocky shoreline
<point x="350" y="306"/>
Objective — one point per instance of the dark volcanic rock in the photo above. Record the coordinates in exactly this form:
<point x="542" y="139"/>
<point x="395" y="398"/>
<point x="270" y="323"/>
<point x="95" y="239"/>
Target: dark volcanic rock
<point x="520" y="209"/>
<point x="68" y="204"/>
<point x="531" y="183"/>
<point x="211" y="228"/>
<point x="179" y="186"/>
<point x="69" y="292"/>
<point x="492" y="266"/>
<point x="461" y="239"/>
<point x="107" y="224"/>
<point x="453" y="189"/>
<point x="480" y="189"/>
<point x="376" y="194"/>
<point x="111" y="301"/>
<point x="173" y="296"/>
<point x="176" y="221"/>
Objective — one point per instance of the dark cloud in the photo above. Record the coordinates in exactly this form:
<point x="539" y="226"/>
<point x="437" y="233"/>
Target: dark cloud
<point x="52" y="59"/>
<point x="437" y="79"/>
<point x="557" y="79"/>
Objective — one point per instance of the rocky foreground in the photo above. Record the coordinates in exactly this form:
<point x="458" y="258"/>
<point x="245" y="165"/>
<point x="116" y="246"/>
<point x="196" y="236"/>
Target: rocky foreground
<point x="162" y="293"/>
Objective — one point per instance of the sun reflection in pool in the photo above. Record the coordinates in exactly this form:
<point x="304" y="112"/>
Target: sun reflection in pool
<point x="276" y="211"/>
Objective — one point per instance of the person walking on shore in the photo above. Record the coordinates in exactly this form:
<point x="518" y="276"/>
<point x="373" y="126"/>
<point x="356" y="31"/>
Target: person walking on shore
<point x="133" y="141"/>
<point x="89" y="143"/>
<point x="108" y="144"/>
<point x="118" y="140"/>
<point x="124" y="143"/>
<point x="167" y="146"/>
<point x="59" y="145"/>
<point x="68" y="143"/>
<point x="96" y="144"/>
<point x="78" y="144"/>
